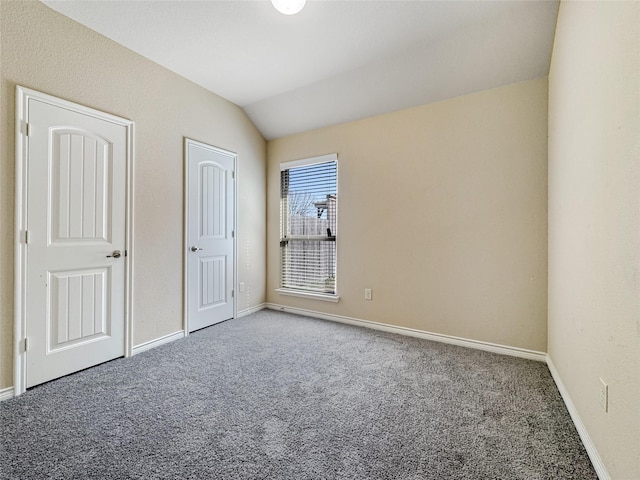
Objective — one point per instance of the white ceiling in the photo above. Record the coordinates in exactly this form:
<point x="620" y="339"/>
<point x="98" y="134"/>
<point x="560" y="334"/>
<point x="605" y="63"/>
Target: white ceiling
<point x="335" y="61"/>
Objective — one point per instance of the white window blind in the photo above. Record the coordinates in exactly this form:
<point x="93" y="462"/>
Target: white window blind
<point x="308" y="224"/>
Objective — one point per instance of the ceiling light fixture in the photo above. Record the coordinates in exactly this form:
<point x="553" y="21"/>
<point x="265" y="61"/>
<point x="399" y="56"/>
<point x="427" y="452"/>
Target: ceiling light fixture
<point x="288" y="7"/>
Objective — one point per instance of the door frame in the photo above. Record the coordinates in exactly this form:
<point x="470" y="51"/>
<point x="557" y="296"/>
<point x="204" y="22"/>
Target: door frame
<point x="23" y="95"/>
<point x="185" y="281"/>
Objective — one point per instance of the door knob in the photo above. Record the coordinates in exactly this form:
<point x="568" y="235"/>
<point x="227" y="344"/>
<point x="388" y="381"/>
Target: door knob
<point x="195" y="249"/>
<point x="115" y="254"/>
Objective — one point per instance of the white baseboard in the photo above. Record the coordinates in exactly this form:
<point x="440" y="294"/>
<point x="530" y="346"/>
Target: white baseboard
<point x="250" y="310"/>
<point x="6" y="393"/>
<point x="594" y="456"/>
<point x="411" y="332"/>
<point x="143" y="347"/>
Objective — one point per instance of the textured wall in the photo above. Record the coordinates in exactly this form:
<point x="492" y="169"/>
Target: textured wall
<point x="46" y="51"/>
<point x="594" y="221"/>
<point x="442" y="212"/>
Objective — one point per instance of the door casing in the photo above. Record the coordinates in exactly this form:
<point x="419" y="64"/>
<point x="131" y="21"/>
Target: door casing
<point x="23" y="95"/>
<point x="188" y="141"/>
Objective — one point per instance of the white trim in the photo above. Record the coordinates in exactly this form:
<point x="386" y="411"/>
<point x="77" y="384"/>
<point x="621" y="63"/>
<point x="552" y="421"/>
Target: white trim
<point x="185" y="227"/>
<point x="325" y="297"/>
<point x="185" y="238"/>
<point x="589" y="446"/>
<point x="236" y="286"/>
<point x="23" y="95"/>
<point x="303" y="162"/>
<point x="143" y="347"/>
<point x="411" y="332"/>
<point x="19" y="365"/>
<point x="129" y="223"/>
<point x="6" y="393"/>
<point x="250" y="310"/>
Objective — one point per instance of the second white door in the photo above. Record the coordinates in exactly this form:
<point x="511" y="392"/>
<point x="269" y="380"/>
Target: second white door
<point x="210" y="197"/>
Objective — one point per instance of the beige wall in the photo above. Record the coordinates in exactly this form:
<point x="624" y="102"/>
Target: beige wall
<point x="443" y="213"/>
<point x="594" y="221"/>
<point x="46" y="51"/>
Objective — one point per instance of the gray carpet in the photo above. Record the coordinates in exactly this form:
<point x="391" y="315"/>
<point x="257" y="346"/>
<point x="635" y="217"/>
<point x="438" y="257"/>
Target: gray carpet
<point x="278" y="396"/>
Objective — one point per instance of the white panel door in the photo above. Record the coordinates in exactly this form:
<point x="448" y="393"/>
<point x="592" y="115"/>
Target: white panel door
<point x="209" y="230"/>
<point x="75" y="255"/>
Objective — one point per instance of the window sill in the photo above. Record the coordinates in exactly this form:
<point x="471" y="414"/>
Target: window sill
<point x="325" y="297"/>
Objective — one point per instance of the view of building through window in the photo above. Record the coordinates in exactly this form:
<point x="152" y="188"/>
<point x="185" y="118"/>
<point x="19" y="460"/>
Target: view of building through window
<point x="309" y="227"/>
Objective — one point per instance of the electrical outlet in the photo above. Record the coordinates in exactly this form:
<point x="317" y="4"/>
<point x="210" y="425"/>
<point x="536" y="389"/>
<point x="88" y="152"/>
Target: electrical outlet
<point x="604" y="395"/>
<point x="241" y="287"/>
<point x="367" y="294"/>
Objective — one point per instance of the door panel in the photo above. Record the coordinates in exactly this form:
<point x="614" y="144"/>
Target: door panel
<point x="213" y="205"/>
<point x="80" y="193"/>
<point x="212" y="282"/>
<point x="77" y="307"/>
<point x="76" y="218"/>
<point x="209" y="226"/>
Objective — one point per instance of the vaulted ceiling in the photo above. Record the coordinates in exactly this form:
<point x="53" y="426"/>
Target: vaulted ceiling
<point x="335" y="61"/>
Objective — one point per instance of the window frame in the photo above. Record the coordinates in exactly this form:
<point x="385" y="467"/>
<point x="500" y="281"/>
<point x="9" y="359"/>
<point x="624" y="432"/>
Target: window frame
<point x="311" y="294"/>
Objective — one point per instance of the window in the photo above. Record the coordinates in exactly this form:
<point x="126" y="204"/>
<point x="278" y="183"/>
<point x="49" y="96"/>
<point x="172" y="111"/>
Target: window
<point x="308" y="225"/>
